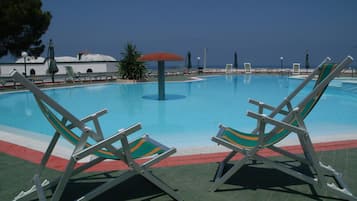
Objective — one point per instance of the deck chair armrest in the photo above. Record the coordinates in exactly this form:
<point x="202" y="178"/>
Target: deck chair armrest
<point x="95" y="119"/>
<point x="123" y="133"/>
<point x="263" y="105"/>
<point x="227" y="144"/>
<point x="159" y="157"/>
<point x="269" y="120"/>
<point x="90" y="117"/>
<point x="94" y="115"/>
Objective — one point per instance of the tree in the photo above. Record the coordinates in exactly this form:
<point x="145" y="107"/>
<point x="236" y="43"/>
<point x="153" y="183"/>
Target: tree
<point x="129" y="66"/>
<point x="22" y="23"/>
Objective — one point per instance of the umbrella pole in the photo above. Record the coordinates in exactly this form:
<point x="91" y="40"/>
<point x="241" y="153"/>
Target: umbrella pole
<point x="161" y="79"/>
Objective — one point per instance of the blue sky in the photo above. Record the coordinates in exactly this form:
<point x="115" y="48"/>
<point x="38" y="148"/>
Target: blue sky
<point x="260" y="31"/>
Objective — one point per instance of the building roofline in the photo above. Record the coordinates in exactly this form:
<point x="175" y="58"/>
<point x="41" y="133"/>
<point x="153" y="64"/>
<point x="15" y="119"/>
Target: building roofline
<point x="60" y="62"/>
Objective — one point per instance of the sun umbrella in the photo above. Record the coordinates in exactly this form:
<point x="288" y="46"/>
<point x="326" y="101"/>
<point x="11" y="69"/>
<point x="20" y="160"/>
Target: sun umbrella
<point x="307" y="64"/>
<point x="235" y="65"/>
<point x="189" y="64"/>
<point x="161" y="57"/>
<point x="52" y="66"/>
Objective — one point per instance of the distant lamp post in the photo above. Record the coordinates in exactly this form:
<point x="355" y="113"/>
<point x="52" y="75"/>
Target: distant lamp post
<point x="281" y="63"/>
<point x="24" y="55"/>
<point x="198" y="61"/>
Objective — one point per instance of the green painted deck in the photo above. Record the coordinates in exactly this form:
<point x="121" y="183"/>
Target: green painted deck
<point x="192" y="181"/>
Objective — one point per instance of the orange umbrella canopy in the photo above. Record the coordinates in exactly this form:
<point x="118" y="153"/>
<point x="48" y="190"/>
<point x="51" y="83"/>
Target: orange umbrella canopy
<point x="161" y="56"/>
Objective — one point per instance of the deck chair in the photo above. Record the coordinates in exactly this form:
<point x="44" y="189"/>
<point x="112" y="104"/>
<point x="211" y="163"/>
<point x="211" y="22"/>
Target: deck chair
<point x="247" y="68"/>
<point x="296" y="69"/>
<point x="229" y="68"/>
<point x="71" y="75"/>
<point x="291" y="120"/>
<point x="90" y="142"/>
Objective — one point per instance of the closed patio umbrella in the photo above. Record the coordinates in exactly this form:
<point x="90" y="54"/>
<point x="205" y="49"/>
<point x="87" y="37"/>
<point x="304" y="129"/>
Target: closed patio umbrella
<point x="161" y="57"/>
<point x="307" y="63"/>
<point x="189" y="64"/>
<point x="235" y="64"/>
<point x="52" y="66"/>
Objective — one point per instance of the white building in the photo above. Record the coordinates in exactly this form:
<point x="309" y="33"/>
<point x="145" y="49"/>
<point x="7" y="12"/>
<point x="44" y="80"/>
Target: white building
<point x="83" y="63"/>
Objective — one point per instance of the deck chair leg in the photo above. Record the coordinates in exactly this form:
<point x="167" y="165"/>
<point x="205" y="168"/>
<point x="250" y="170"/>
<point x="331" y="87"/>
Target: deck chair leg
<point x="307" y="148"/>
<point x="228" y="174"/>
<point x="48" y="152"/>
<point x="312" y="158"/>
<point x="343" y="193"/>
<point x="223" y="163"/>
<point x="53" y="183"/>
<point x="106" y="186"/>
<point x="143" y="169"/>
<point x="40" y="191"/>
<point x="162" y="185"/>
<point x="63" y="180"/>
<point x="341" y="188"/>
<point x="154" y="180"/>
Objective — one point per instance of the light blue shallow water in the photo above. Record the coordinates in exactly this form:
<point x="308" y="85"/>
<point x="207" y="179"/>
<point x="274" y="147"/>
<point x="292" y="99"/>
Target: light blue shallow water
<point x="192" y="114"/>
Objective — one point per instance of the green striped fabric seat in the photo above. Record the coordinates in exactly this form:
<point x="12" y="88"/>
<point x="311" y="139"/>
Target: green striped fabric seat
<point x="142" y="147"/>
<point x="248" y="140"/>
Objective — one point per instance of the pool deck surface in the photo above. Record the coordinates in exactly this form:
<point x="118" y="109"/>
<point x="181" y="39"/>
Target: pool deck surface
<point x="191" y="175"/>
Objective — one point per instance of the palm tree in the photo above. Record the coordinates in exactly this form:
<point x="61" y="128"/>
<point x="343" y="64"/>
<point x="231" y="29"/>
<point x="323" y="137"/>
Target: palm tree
<point x="129" y="66"/>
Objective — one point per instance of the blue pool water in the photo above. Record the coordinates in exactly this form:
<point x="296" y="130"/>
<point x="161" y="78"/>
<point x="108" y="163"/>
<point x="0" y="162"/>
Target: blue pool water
<point x="192" y="113"/>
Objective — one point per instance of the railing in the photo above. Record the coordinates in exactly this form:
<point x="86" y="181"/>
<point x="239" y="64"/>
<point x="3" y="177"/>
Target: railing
<point x="9" y="82"/>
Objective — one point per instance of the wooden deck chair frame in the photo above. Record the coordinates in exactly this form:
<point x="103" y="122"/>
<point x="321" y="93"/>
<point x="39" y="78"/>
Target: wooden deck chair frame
<point x="318" y="179"/>
<point x="102" y="149"/>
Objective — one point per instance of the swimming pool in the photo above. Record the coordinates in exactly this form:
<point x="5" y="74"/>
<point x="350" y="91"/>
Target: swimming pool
<point x="192" y="114"/>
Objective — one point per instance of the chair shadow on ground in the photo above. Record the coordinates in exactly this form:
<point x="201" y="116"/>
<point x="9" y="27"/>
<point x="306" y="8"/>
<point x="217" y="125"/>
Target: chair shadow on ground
<point x="257" y="176"/>
<point x="136" y="187"/>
